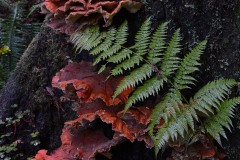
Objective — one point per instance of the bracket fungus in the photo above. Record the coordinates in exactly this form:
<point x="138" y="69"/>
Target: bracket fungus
<point x="70" y="15"/>
<point x="132" y="125"/>
<point x="82" y="138"/>
<point x="79" y="81"/>
<point x="81" y="145"/>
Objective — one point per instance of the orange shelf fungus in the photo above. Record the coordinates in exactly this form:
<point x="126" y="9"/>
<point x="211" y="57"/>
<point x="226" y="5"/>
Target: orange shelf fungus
<point x="132" y="125"/>
<point x="70" y="15"/>
<point x="83" y="137"/>
<point x="80" y="81"/>
<point x="81" y="145"/>
<point x="82" y="140"/>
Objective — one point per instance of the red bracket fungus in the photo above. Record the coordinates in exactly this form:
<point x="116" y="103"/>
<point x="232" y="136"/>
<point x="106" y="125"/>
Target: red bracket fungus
<point x="80" y="81"/>
<point x="83" y="141"/>
<point x="80" y="145"/>
<point x="80" y="139"/>
<point x="131" y="125"/>
<point x="70" y="15"/>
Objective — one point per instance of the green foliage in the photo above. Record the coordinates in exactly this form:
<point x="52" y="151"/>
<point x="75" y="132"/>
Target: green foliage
<point x="9" y="141"/>
<point x="5" y="4"/>
<point x="34" y="136"/>
<point x="15" y="33"/>
<point x="8" y="145"/>
<point x="214" y="125"/>
<point x="153" y="63"/>
<point x="180" y="117"/>
<point x="6" y="149"/>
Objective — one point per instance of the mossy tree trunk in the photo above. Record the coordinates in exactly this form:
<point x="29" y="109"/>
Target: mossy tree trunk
<point x="215" y="20"/>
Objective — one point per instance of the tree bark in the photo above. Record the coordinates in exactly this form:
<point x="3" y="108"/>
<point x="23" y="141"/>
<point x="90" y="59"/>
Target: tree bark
<point x="215" y="20"/>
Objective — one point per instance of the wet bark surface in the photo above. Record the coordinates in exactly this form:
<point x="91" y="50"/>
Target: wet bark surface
<point x="215" y="20"/>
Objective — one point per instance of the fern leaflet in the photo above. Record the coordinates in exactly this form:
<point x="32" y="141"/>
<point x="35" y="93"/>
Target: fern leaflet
<point x="109" y="38"/>
<point x="134" y="78"/>
<point x="120" y="39"/>
<point x="150" y="88"/>
<point x="164" y="109"/>
<point x="169" y="64"/>
<point x="126" y="65"/>
<point x="121" y="56"/>
<point x="212" y="94"/>
<point x="170" y="60"/>
<point x="214" y="125"/>
<point x="157" y="44"/>
<point x="142" y="39"/>
<point x="108" y="53"/>
<point x="88" y="39"/>
<point x="189" y="64"/>
<point x="176" y="125"/>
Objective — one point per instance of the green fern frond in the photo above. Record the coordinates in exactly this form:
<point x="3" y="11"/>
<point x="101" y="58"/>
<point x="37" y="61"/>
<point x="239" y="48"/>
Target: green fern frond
<point x="170" y="56"/>
<point x="102" y="68"/>
<point x="121" y="56"/>
<point x="212" y="94"/>
<point x="175" y="126"/>
<point x="170" y="60"/>
<point x="147" y="90"/>
<point x="108" y="39"/>
<point x="152" y="62"/>
<point x="214" y="125"/>
<point x="167" y="107"/>
<point x="108" y="53"/>
<point x="140" y="48"/>
<point x="188" y="65"/>
<point x="126" y="65"/>
<point x="150" y="88"/>
<point x="142" y="38"/>
<point x="122" y="34"/>
<point x="120" y="39"/>
<point x="157" y="44"/>
<point x="135" y="77"/>
<point x="178" y="118"/>
<point x="84" y="40"/>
